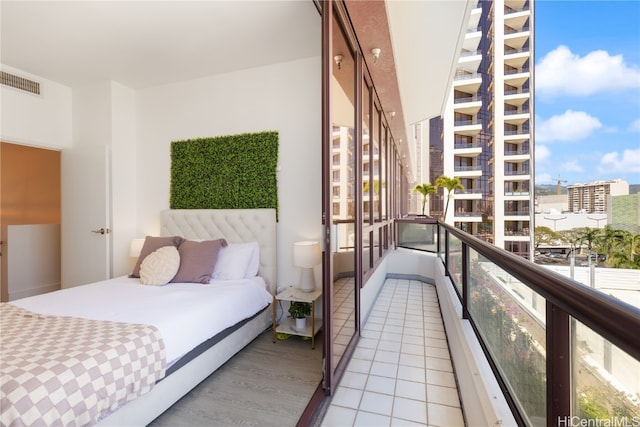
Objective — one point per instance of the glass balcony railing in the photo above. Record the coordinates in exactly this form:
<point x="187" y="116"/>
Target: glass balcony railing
<point x="466" y="122"/>
<point x="564" y="354"/>
<point x="514" y="112"/>
<point x="466" y="76"/>
<point x="466" y="99"/>
<point x="462" y="145"/>
<point x="464" y="168"/>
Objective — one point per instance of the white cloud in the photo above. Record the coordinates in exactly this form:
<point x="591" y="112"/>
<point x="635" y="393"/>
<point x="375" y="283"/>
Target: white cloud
<point x="542" y="153"/>
<point x="572" y="166"/>
<point x="569" y="126"/>
<point x="629" y="162"/>
<point x="562" y="72"/>
<point x="634" y="126"/>
<point x="544" y="178"/>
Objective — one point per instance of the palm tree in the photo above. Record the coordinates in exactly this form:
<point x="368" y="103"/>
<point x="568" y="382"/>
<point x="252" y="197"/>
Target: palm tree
<point x="610" y="239"/>
<point x="589" y="235"/>
<point x="450" y="184"/>
<point x="425" y="189"/>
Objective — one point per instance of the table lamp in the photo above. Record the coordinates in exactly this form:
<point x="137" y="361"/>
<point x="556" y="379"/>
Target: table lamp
<point x="306" y="255"/>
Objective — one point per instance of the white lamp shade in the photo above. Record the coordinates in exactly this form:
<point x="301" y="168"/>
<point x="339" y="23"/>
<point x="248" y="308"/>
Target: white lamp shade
<point x="135" y="248"/>
<point x="306" y="254"/>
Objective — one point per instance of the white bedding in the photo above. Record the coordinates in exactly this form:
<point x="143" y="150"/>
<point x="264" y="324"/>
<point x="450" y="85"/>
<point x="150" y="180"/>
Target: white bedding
<point x="186" y="314"/>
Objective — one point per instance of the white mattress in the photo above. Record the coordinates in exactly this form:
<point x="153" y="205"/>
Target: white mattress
<point x="186" y="314"/>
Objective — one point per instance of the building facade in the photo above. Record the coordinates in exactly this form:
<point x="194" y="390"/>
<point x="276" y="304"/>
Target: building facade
<point x="485" y="136"/>
<point x="623" y="212"/>
<point x="592" y="197"/>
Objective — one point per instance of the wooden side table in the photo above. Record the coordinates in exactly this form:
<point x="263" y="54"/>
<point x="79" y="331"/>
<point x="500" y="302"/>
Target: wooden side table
<point x="288" y="325"/>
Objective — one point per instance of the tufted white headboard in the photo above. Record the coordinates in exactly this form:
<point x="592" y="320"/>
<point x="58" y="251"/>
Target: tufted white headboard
<point x="235" y="225"/>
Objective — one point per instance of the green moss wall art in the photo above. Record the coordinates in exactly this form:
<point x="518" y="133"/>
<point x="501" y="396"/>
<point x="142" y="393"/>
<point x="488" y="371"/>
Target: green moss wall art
<point x="225" y="172"/>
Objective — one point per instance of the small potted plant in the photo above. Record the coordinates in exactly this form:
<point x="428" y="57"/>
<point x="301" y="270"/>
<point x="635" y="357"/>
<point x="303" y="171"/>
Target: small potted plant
<point x="300" y="310"/>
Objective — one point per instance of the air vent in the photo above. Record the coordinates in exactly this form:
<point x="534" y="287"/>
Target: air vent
<point x="21" y="83"/>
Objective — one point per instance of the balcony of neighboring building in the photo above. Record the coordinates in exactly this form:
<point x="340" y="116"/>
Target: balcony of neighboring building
<point x="517" y="170"/>
<point x="514" y="132"/>
<point x="466" y="166"/>
<point x="468" y="105"/>
<point x="466" y="122"/>
<point x="516" y="230"/>
<point x="516" y="37"/>
<point x="468" y="81"/>
<point x="514" y="210"/>
<point x="467" y="210"/>
<point x="474" y="16"/>
<point x="470" y="58"/>
<point x="518" y="148"/>
<point x="466" y="146"/>
<point x="516" y="14"/>
<point x="517" y="58"/>
<point x="516" y="121"/>
<point x="472" y="38"/>
<point x="471" y="190"/>
<point x="517" y="77"/>
<point x="517" y="190"/>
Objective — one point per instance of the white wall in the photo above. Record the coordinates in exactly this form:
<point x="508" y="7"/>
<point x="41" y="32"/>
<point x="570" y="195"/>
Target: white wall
<point x="33" y="265"/>
<point x="283" y="97"/>
<point x="123" y="176"/>
<point x="39" y="120"/>
<point x="567" y="221"/>
<point x="139" y="126"/>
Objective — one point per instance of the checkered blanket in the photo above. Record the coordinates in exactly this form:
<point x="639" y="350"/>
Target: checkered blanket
<point x="65" y="371"/>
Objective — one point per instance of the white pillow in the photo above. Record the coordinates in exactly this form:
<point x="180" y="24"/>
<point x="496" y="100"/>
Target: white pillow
<point x="160" y="266"/>
<point x="237" y="261"/>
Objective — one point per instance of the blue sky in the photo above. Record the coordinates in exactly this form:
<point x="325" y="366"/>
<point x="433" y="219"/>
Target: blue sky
<point x="587" y="88"/>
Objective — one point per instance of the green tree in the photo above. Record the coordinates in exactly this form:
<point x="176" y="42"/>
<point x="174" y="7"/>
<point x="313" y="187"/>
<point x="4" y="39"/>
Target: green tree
<point x="590" y="236"/>
<point x="449" y="184"/>
<point x="425" y="189"/>
<point x="626" y="254"/>
<point x="609" y="239"/>
<point x="544" y="236"/>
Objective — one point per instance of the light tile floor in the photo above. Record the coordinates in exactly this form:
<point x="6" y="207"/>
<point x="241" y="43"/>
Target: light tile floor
<point x="401" y="372"/>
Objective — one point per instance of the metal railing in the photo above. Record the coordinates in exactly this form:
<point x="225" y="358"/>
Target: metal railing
<point x="563" y="352"/>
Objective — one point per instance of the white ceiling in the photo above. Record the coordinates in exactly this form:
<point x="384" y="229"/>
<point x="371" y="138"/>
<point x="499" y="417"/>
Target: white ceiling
<point x="147" y="43"/>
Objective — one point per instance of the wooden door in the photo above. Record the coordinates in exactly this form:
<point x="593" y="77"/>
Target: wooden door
<point x="29" y="194"/>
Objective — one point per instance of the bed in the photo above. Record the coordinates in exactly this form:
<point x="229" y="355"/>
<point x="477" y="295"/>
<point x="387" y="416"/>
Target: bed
<point x="162" y="314"/>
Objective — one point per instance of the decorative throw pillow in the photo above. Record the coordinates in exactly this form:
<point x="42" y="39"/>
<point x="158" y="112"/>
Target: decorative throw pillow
<point x="236" y="261"/>
<point x="197" y="260"/>
<point x="152" y="243"/>
<point x="160" y="266"/>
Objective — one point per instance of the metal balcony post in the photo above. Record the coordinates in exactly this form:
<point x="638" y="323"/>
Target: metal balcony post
<point x="559" y="388"/>
<point x="465" y="281"/>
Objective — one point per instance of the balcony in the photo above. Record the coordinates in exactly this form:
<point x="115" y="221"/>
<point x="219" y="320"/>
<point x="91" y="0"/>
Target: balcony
<point x="468" y="193"/>
<point x="516" y="172"/>
<point x="467" y="150"/>
<point x="467" y="171"/>
<point x="529" y="346"/>
<point x="517" y="212"/>
<point x="520" y="152"/>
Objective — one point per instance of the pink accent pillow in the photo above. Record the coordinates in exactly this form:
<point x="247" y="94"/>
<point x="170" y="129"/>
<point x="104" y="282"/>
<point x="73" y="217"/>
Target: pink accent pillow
<point x="197" y="260"/>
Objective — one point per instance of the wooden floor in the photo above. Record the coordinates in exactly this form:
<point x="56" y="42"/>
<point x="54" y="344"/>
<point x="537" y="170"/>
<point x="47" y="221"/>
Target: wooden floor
<point x="266" y="384"/>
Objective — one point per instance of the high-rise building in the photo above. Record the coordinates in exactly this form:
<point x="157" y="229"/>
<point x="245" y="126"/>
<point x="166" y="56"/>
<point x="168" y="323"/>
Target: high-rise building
<point x="485" y="135"/>
<point x="592" y="197"/>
